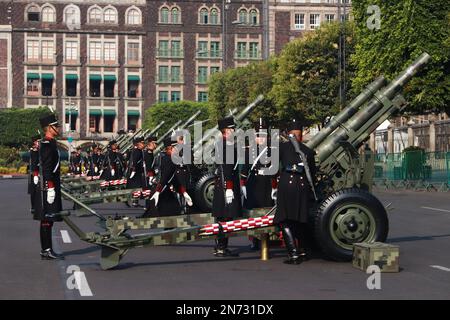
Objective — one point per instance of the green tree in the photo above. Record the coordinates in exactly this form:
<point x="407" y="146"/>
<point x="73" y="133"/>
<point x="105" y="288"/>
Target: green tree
<point x="306" y="83"/>
<point x="18" y="126"/>
<point x="171" y="112"/>
<point x="408" y="28"/>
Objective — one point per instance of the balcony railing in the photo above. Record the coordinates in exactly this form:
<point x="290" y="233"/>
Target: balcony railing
<point x="169" y="53"/>
<point x="247" y="54"/>
<point x="169" y="78"/>
<point x="209" y="54"/>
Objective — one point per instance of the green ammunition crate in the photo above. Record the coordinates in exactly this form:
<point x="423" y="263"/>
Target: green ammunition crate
<point x="383" y="255"/>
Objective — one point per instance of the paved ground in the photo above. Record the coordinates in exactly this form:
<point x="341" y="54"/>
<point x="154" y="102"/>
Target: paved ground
<point x="419" y="224"/>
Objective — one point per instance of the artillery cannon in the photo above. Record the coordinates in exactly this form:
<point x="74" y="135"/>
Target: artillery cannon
<point x="346" y="211"/>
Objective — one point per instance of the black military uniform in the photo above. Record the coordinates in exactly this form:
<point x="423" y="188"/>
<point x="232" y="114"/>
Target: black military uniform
<point x="93" y="162"/>
<point x="167" y="184"/>
<point x="47" y="202"/>
<point x="136" y="166"/>
<point x="226" y="185"/>
<point x="295" y="194"/>
<point x="113" y="166"/>
<point x="33" y="171"/>
<point x="76" y="162"/>
<point x="149" y="158"/>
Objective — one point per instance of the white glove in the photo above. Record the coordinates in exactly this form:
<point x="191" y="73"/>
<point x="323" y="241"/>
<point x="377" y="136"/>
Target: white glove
<point x="35" y="180"/>
<point x="78" y="169"/>
<point x="274" y="194"/>
<point x="100" y="173"/>
<point x="132" y="175"/>
<point x="95" y="169"/>
<point x="188" y="199"/>
<point x="244" y="191"/>
<point x="151" y="180"/>
<point x="113" y="172"/>
<point x="229" y="196"/>
<point x="155" y="197"/>
<point x="51" y="194"/>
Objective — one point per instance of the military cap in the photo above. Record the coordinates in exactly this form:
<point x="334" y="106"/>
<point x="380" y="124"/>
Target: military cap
<point x="139" y="139"/>
<point x="112" y="142"/>
<point x="49" y="120"/>
<point x="227" y="122"/>
<point x="294" y="124"/>
<point x="151" y="139"/>
<point x="168" y="142"/>
<point x="261" y="126"/>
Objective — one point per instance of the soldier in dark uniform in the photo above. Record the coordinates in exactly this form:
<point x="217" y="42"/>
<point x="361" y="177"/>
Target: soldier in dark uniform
<point x="47" y="202"/>
<point x="113" y="164"/>
<point x="33" y="171"/>
<point x="227" y="196"/>
<point x="136" y="177"/>
<point x="149" y="158"/>
<point x="76" y="162"/>
<point x="164" y="201"/>
<point x="295" y="192"/>
<point x="92" y="162"/>
<point x="183" y="175"/>
<point x="258" y="189"/>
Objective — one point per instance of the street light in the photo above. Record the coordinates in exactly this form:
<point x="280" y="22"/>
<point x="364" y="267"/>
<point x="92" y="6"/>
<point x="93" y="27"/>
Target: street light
<point x="71" y="107"/>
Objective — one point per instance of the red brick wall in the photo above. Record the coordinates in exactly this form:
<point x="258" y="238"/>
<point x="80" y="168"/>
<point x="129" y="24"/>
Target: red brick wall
<point x="3" y="73"/>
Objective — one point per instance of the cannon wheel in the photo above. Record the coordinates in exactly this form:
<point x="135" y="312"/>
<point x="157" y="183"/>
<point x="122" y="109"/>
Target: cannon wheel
<point x="346" y="217"/>
<point x="204" y="192"/>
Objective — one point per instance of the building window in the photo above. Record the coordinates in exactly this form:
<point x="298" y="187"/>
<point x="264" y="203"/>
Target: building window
<point x="71" y="120"/>
<point x="48" y="15"/>
<point x="241" y="50"/>
<point x="215" y="49"/>
<point x="253" y="16"/>
<point x="164" y="18"/>
<point x="71" y="86"/>
<point x="110" y="16"/>
<point x="202" y="75"/>
<point x="33" y="87"/>
<point x="204" y="16"/>
<point x="202" y="49"/>
<point x="95" y="15"/>
<point x="163" y="74"/>
<point x="299" y="23"/>
<point x="95" y="51"/>
<point x="253" y="52"/>
<point x="71" y="51"/>
<point x="243" y="16"/>
<point x="108" y="123"/>
<point x="33" y="14"/>
<point x="109" y="50"/>
<point x="175" y="96"/>
<point x="314" y="21"/>
<point x="94" y="123"/>
<point x="94" y="85"/>
<point x="175" y="15"/>
<point x="72" y="16"/>
<point x="47" y="85"/>
<point x="109" y="86"/>
<point x="132" y="122"/>
<point x="163" y="96"/>
<point x="48" y="50"/>
<point x="202" y="96"/>
<point x="133" y="52"/>
<point x="133" y="17"/>
<point x="133" y="86"/>
<point x="176" y="48"/>
<point x="214" y="16"/>
<point x="344" y="17"/>
<point x="163" y="48"/>
<point x="175" y="76"/>
<point x="329" y="17"/>
<point x="32" y="50"/>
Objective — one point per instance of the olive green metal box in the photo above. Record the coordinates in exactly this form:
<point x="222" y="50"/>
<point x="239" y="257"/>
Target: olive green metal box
<point x="383" y="255"/>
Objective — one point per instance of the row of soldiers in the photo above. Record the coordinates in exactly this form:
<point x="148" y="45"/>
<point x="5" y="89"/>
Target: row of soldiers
<point x="235" y="186"/>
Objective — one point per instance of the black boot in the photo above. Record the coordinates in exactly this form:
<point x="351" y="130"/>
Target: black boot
<point x="221" y="250"/>
<point x="49" y="254"/>
<point x="289" y="240"/>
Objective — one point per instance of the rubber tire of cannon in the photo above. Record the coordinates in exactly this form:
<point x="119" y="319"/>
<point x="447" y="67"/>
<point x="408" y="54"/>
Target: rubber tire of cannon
<point x="337" y="201"/>
<point x="200" y="189"/>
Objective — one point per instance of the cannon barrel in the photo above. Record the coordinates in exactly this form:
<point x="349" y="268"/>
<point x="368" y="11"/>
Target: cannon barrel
<point x="348" y="112"/>
<point x="155" y="129"/>
<point x="168" y="132"/>
<point x="360" y="125"/>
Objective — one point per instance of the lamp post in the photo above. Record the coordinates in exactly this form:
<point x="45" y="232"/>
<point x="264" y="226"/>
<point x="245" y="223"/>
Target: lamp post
<point x="71" y="107"/>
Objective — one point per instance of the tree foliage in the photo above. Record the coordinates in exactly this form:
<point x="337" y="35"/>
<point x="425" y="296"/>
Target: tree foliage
<point x="408" y="28"/>
<point x="171" y="112"/>
<point x="18" y="126"/>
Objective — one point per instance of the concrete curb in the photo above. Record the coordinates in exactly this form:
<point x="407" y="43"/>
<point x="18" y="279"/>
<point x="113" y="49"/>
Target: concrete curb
<point x="11" y="176"/>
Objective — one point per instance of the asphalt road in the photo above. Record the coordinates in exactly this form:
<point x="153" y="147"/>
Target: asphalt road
<point x="419" y="224"/>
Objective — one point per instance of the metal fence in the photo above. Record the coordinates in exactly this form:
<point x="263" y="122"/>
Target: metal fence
<point x="413" y="170"/>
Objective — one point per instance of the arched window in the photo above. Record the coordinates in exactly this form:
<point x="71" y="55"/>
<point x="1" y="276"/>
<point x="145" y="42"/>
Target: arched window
<point x="48" y="14"/>
<point x="175" y="15"/>
<point x="110" y="15"/>
<point x="133" y="17"/>
<point x="253" y="16"/>
<point x="214" y="16"/>
<point x="72" y="16"/>
<point x="204" y="16"/>
<point x="95" y="15"/>
<point x="164" y="15"/>
<point x="243" y="16"/>
<point x="33" y="13"/>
